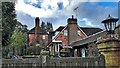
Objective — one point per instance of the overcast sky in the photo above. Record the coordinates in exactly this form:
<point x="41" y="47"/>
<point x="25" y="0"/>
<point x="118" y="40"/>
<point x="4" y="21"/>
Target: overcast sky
<point x="89" y="13"/>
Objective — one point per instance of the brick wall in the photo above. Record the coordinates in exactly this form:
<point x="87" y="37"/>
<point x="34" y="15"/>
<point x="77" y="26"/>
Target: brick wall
<point x="72" y="33"/>
<point x="35" y="39"/>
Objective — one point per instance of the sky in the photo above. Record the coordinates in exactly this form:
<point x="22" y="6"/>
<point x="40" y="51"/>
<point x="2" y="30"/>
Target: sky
<point x="89" y="13"/>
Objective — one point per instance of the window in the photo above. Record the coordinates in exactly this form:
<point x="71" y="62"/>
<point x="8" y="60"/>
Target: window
<point x="43" y="36"/>
<point x="78" y="32"/>
<point x="83" y="52"/>
<point x="56" y="33"/>
<point x="55" y="47"/>
<point x="65" y="32"/>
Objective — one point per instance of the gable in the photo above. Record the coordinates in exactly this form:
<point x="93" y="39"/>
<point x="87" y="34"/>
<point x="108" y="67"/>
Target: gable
<point x="84" y="32"/>
<point x="64" y="37"/>
<point x="56" y="36"/>
<point x="65" y="28"/>
<point x="87" y="30"/>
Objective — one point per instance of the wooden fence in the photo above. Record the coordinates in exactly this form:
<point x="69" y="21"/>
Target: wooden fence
<point x="64" y="62"/>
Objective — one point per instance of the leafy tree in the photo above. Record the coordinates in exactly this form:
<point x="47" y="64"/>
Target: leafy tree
<point x="13" y="32"/>
<point x="49" y="27"/>
<point x="43" y="27"/>
<point x="18" y="39"/>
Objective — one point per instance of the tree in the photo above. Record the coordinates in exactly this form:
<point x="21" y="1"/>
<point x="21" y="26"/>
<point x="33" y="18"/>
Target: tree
<point x="13" y="32"/>
<point x="8" y="24"/>
<point x="0" y="34"/>
<point x="49" y="27"/>
<point x="43" y="27"/>
<point x="18" y="39"/>
<point x="8" y="21"/>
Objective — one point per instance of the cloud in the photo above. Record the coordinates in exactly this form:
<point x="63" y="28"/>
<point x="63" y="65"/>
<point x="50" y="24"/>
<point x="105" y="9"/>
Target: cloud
<point x="46" y="9"/>
<point x="25" y="19"/>
<point x="87" y="22"/>
<point x="60" y="22"/>
<point x="109" y="0"/>
<point x="95" y="13"/>
<point x="31" y="10"/>
<point x="57" y="11"/>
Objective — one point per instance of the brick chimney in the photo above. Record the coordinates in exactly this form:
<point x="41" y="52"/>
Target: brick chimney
<point x="72" y="30"/>
<point x="37" y="22"/>
<point x="37" y="29"/>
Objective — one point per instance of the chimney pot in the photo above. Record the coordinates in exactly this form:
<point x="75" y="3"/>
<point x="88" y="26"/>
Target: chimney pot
<point x="72" y="16"/>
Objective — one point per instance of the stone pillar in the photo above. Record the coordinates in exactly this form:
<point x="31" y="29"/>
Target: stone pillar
<point x="44" y="56"/>
<point x="109" y="46"/>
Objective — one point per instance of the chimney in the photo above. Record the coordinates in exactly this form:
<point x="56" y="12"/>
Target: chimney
<point x="72" y="30"/>
<point x="37" y="22"/>
<point x="37" y="29"/>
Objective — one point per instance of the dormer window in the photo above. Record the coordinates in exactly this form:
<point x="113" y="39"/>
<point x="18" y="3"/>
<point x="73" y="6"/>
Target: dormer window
<point x="65" y="32"/>
<point x="78" y="32"/>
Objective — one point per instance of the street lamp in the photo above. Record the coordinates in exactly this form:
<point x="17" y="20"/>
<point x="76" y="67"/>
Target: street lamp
<point x="110" y="24"/>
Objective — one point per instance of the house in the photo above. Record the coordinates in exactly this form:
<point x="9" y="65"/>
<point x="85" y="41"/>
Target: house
<point x="61" y="40"/>
<point x="104" y="43"/>
<point x="64" y="36"/>
<point x="37" y="36"/>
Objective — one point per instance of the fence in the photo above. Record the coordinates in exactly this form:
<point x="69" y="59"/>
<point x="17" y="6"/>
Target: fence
<point x="67" y="62"/>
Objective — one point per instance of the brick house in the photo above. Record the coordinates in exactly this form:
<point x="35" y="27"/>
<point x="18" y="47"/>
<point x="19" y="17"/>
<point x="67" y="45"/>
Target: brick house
<point x="102" y="43"/>
<point x="59" y="41"/>
<point x="37" y="35"/>
<point x="64" y="36"/>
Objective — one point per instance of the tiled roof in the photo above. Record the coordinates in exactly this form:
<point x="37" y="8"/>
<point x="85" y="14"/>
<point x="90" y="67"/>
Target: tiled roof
<point x="32" y="31"/>
<point x="60" y="28"/>
<point x="90" y="30"/>
<point x="87" y="30"/>
<point x="89" y="39"/>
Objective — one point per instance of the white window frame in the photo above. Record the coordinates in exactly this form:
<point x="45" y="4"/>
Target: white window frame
<point x="56" y="49"/>
<point x="83" y="52"/>
<point x="56" y="33"/>
<point x="43" y="37"/>
<point x="78" y="32"/>
<point x="65" y="32"/>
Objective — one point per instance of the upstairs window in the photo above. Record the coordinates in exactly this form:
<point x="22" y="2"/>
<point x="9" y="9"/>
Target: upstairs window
<point x="56" y="33"/>
<point x="78" y="32"/>
<point x="65" y="32"/>
<point x="43" y="36"/>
